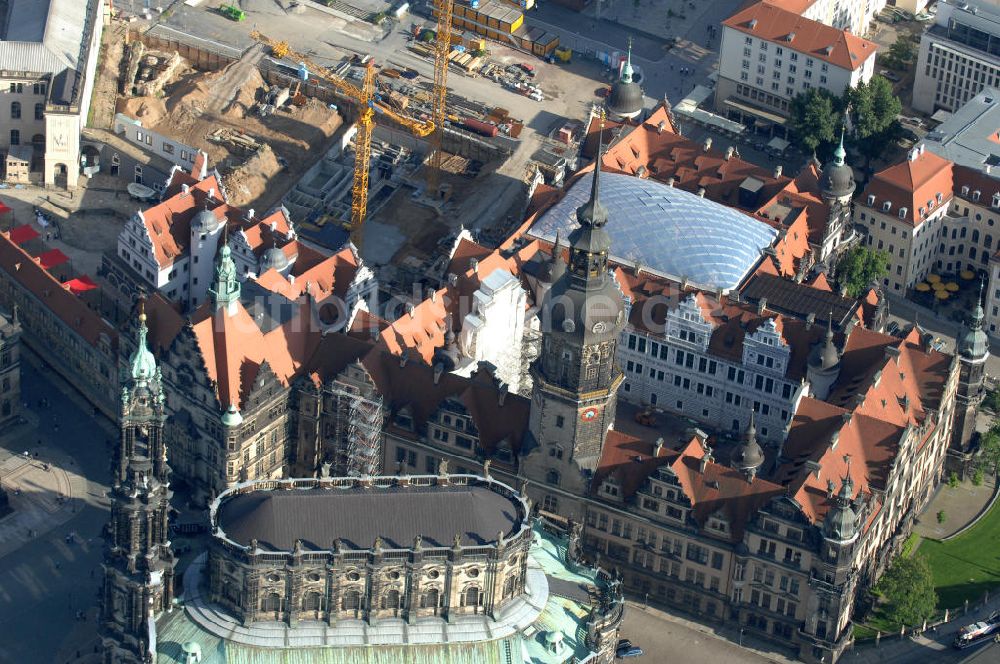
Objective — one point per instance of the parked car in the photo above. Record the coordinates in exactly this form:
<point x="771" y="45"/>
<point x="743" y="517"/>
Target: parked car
<point x="891" y="75"/>
<point x="623" y="643"/>
<point x="631" y="651"/>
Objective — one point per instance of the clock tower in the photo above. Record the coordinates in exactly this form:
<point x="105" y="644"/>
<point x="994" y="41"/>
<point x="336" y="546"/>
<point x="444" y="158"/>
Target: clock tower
<point x="576" y="377"/>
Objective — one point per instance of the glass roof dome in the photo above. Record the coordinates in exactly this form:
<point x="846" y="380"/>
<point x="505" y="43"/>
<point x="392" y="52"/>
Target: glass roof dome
<point x="668" y="230"/>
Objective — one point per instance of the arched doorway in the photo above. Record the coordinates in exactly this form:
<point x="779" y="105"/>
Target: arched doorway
<point x="60" y="175"/>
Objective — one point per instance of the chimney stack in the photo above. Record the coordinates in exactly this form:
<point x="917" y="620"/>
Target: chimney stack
<point x="729" y="152"/>
<point x="777" y="171"/>
<point x="708" y="144"/>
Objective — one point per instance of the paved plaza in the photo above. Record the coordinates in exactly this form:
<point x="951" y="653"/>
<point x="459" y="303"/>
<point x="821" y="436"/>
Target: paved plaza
<point x="50" y="576"/>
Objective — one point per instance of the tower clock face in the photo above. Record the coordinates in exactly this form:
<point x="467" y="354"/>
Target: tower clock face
<point x="589" y="414"/>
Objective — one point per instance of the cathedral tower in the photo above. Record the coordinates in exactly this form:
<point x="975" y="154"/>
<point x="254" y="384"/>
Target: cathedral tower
<point x="576" y="376"/>
<point x="139" y="565"/>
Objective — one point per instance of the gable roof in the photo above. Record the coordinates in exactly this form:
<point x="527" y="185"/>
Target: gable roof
<point x="31" y="275"/>
<point x="770" y="22"/>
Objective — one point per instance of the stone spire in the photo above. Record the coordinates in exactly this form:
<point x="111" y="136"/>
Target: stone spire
<point x="973" y="343"/>
<point x="592" y="214"/>
<point x="138" y="564"/>
<point x="625" y="99"/>
<point x="840" y="523"/>
<point x="142" y="364"/>
<point x="225" y="291"/>
<point x="749" y="456"/>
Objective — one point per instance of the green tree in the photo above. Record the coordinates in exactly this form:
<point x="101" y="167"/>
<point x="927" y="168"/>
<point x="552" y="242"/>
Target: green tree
<point x="814" y="118"/>
<point x="989" y="448"/>
<point x="901" y="52"/>
<point x="908" y="591"/>
<point x="992" y="400"/>
<point x="860" y="267"/>
<point x="874" y="108"/>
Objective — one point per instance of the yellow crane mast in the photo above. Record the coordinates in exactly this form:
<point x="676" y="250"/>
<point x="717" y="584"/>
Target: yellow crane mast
<point x="368" y="105"/>
<point x="442" y="47"/>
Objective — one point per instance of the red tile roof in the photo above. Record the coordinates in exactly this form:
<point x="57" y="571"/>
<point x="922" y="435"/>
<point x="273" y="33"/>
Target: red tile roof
<point x="23" y="233"/>
<point x="912" y="184"/>
<point x="770" y="22"/>
<point x="234" y="348"/>
<point x="878" y="394"/>
<point x="50" y="292"/>
<point x="656" y="151"/>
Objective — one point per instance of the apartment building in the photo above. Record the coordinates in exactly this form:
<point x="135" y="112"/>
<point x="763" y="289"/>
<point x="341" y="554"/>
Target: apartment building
<point x="959" y="55"/>
<point x="769" y="54"/>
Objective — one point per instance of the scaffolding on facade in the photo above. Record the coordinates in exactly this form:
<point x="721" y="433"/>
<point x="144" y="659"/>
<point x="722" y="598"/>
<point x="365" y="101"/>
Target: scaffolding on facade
<point x="355" y="449"/>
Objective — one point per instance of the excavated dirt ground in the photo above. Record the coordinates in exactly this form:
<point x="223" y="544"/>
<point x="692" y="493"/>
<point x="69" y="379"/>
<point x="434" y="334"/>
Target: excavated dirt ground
<point x="295" y="138"/>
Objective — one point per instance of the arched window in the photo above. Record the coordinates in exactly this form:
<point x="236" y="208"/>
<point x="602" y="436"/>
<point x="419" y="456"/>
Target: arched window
<point x="471" y="596"/>
<point x="15" y="110"/>
<point x="271" y="603"/>
<point x="351" y="601"/>
<point x="391" y="600"/>
<point x="552" y="477"/>
<point x="312" y="602"/>
<point x="975" y="235"/>
<point x="429" y="600"/>
<point x="988" y="241"/>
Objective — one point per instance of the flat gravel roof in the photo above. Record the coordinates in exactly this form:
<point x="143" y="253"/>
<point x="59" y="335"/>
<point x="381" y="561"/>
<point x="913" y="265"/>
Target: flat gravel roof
<point x="357" y="516"/>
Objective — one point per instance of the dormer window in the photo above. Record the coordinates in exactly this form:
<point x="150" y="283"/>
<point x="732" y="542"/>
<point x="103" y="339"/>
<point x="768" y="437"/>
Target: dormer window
<point x="886" y="206"/>
<point x="975" y="195"/>
<point x="939" y="197"/>
<point x="871" y="199"/>
<point x="965" y="191"/>
<point x="903" y="211"/>
<point x="996" y="200"/>
<point x="923" y="212"/>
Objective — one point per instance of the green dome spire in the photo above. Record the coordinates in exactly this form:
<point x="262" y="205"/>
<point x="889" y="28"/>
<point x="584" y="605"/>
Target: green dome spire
<point x="225" y="291"/>
<point x="142" y="364"/>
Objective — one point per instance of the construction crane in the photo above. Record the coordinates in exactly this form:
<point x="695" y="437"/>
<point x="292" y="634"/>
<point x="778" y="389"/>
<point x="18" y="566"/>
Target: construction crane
<point x="368" y="105"/>
<point x="442" y="48"/>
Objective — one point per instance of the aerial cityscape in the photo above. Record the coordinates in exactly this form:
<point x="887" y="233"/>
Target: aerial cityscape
<point x="499" y="331"/>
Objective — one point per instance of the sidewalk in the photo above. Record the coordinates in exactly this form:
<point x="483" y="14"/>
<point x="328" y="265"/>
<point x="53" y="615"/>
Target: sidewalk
<point x="922" y="647"/>
<point x="960" y="505"/>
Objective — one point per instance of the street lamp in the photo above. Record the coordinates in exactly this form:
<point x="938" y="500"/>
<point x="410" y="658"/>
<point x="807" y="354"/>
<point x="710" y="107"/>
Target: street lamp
<point x="741" y="636"/>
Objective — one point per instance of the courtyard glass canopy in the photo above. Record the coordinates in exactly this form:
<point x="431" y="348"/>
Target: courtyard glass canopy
<point x="668" y="230"/>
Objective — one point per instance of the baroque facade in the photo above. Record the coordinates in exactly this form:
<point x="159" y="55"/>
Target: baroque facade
<point x="346" y="579"/>
<point x="139" y="564"/>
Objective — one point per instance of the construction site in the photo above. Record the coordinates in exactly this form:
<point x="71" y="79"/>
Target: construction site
<point x="386" y="152"/>
<point x="259" y="147"/>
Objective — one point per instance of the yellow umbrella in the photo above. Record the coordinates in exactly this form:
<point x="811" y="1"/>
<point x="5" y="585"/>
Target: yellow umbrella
<point x="923" y="287"/>
<point x="951" y="286"/>
<point x="933" y="278"/>
<point x="938" y="286"/>
<point x="941" y="294"/>
<point x="967" y="274"/>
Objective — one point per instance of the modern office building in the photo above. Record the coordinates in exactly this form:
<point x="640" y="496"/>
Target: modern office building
<point x="959" y="55"/>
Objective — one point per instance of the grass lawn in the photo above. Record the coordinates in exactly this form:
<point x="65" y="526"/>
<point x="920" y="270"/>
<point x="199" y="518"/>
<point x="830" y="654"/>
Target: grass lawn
<point x="967" y="566"/>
